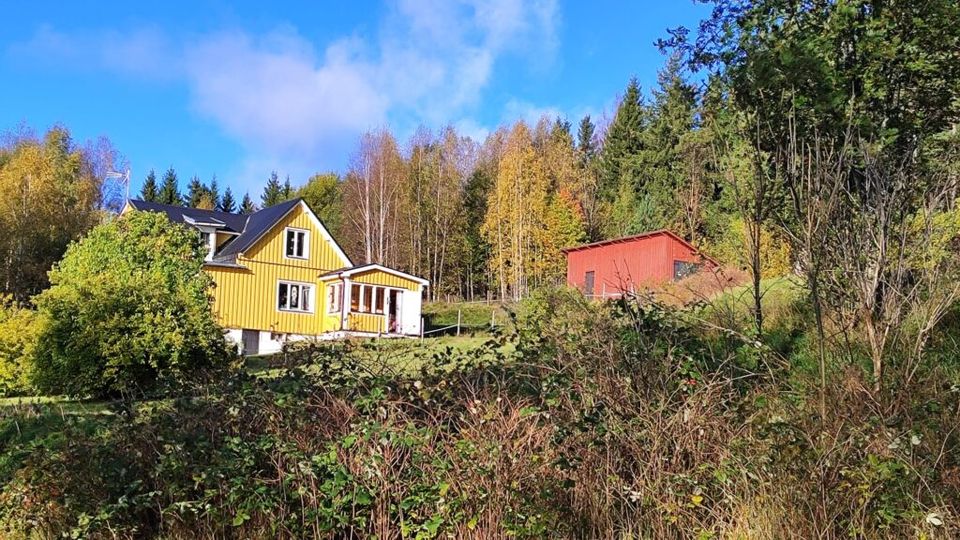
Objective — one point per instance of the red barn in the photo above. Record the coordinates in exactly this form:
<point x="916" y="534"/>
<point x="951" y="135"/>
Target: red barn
<point x="646" y="260"/>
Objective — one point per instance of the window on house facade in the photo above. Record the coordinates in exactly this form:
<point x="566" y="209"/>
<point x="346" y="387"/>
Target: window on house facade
<point x="295" y="297"/>
<point x="334" y="298"/>
<point x="682" y="269"/>
<point x="378" y="300"/>
<point x="588" y="283"/>
<point x="355" y="297"/>
<point x="368" y="299"/>
<point x="297" y="245"/>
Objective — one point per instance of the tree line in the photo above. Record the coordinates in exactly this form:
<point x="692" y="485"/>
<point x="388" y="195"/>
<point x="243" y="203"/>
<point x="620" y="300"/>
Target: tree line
<point x="717" y="151"/>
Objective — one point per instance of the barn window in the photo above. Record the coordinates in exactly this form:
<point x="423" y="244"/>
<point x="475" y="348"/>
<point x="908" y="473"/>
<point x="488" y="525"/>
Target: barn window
<point x="682" y="269"/>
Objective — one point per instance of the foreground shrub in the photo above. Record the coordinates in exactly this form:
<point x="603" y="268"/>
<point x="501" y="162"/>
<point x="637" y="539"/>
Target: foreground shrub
<point x="128" y="309"/>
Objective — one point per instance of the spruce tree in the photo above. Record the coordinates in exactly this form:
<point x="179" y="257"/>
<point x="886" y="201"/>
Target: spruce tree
<point x="272" y="192"/>
<point x="247" y="206"/>
<point x="195" y="192"/>
<point x="149" y="191"/>
<point x="672" y="121"/>
<point x="227" y="204"/>
<point x="585" y="143"/>
<point x="623" y="142"/>
<point x="169" y="190"/>
<point x="214" y="192"/>
<point x="287" y="191"/>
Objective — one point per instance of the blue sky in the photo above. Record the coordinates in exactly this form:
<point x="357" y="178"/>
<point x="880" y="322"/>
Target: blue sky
<point x="240" y="89"/>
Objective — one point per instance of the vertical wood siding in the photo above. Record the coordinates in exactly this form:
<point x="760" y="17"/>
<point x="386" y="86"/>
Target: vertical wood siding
<point x="378" y="277"/>
<point x="247" y="298"/>
<point x="635" y="263"/>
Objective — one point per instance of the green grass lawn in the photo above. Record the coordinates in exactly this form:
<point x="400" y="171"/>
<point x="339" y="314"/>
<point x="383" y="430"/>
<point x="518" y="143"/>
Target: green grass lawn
<point x="474" y="316"/>
<point x="52" y="405"/>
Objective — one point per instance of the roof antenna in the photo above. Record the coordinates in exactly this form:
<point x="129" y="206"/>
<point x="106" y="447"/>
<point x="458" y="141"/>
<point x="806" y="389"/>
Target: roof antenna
<point x="126" y="181"/>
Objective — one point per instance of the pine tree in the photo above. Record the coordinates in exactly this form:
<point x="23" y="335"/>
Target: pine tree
<point x="287" y="191"/>
<point x="623" y="142"/>
<point x="195" y="192"/>
<point x="149" y="191"/>
<point x="247" y="206"/>
<point x="169" y="190"/>
<point x="272" y="192"/>
<point x="227" y="204"/>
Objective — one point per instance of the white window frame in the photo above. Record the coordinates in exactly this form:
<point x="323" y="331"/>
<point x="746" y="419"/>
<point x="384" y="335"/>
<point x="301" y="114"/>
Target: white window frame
<point x="335" y="298"/>
<point x="374" y="292"/>
<point x="306" y="243"/>
<point x="311" y="298"/>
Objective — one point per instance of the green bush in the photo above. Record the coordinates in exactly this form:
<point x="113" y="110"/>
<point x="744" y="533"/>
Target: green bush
<point x="129" y="309"/>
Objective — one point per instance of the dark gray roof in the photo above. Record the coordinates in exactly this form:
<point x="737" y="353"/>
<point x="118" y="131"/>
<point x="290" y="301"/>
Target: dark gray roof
<point x="179" y="214"/>
<point x="258" y="224"/>
<point x="251" y="227"/>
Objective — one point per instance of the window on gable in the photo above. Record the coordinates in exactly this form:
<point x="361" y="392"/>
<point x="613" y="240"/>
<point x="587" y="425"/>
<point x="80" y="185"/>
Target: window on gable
<point x="294" y="297"/>
<point x="297" y="244"/>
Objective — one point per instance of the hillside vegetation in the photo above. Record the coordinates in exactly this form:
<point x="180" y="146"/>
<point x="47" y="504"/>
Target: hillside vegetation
<point x="605" y="420"/>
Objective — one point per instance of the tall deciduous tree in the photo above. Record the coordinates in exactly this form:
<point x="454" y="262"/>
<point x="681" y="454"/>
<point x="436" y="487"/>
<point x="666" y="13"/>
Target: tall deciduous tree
<point x="515" y="210"/>
<point x="324" y="194"/>
<point x="371" y="199"/>
<point x="49" y="197"/>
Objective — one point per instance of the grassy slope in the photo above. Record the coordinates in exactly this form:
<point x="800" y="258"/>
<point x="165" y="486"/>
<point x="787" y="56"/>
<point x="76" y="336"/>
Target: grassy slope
<point x="473" y="315"/>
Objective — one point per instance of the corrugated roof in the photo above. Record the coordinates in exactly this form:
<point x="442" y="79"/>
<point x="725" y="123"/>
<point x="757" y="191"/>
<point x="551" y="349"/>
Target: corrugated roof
<point x="631" y="238"/>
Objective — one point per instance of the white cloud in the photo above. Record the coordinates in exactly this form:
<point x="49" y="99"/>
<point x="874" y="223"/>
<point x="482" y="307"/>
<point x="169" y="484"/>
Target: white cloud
<point x="276" y="97"/>
<point x="285" y="100"/>
<point x="143" y="52"/>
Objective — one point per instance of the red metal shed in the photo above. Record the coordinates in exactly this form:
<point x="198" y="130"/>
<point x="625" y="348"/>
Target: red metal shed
<point x="611" y="267"/>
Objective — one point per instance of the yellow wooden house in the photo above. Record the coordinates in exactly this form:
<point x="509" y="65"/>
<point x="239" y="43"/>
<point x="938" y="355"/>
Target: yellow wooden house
<point x="280" y="276"/>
